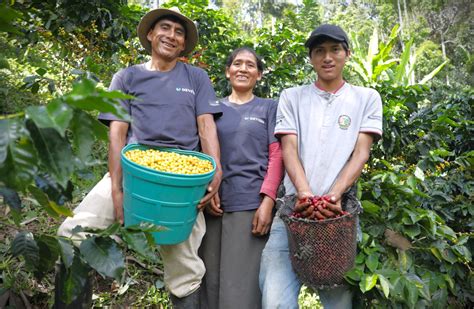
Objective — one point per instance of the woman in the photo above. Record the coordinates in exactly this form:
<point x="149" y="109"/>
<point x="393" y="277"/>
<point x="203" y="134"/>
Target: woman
<point x="239" y="218"/>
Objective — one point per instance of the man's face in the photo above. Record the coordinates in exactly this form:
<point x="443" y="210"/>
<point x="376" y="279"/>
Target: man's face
<point x="167" y="39"/>
<point x="328" y="60"/>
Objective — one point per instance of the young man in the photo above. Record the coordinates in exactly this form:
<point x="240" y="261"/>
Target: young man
<point x="174" y="106"/>
<point x="326" y="130"/>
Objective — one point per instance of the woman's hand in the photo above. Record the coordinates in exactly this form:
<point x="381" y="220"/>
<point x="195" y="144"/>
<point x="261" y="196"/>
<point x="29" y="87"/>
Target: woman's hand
<point x="262" y="220"/>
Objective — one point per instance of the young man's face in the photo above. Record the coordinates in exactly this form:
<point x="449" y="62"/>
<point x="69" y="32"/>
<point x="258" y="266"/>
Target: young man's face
<point x="328" y="60"/>
<point x="168" y="39"/>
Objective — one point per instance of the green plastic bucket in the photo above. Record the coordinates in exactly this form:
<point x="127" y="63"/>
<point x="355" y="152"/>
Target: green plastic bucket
<point x="165" y="199"/>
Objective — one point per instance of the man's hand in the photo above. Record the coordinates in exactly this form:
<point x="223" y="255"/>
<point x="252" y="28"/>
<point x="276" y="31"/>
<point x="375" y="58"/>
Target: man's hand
<point x="212" y="189"/>
<point x="117" y="199"/>
<point x="262" y="220"/>
<point x="214" y="207"/>
<point x="328" y="206"/>
<point x="303" y="204"/>
<point x="117" y="138"/>
<point x="319" y="208"/>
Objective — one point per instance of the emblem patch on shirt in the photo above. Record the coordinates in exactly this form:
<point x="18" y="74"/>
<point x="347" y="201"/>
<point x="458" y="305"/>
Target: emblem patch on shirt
<point x="185" y="90"/>
<point x="255" y="119"/>
<point x="344" y="122"/>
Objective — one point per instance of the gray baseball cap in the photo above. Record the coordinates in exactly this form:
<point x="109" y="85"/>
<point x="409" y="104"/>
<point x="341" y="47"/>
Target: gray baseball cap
<point x="331" y="31"/>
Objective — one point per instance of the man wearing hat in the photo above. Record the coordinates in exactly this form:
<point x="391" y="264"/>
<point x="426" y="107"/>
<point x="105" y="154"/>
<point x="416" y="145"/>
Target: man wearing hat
<point x="174" y="106"/>
<point x="326" y="130"/>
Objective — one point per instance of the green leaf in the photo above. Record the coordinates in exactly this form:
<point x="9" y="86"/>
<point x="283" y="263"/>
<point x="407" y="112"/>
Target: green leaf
<point x="51" y="207"/>
<point x="447" y="232"/>
<point x="433" y="73"/>
<point x="11" y="197"/>
<point x="463" y="252"/>
<point x="436" y="252"/>
<point x="412" y="230"/>
<point x="18" y="163"/>
<point x="402" y="67"/>
<point x="54" y="191"/>
<point x="55" y="115"/>
<point x="385" y="284"/>
<point x="372" y="262"/>
<point x="138" y="242"/>
<point x="370" y="207"/>
<point x="41" y="71"/>
<point x="449" y="280"/>
<point x="402" y="260"/>
<point x="25" y="245"/>
<point x="61" y="210"/>
<point x="9" y="132"/>
<point x="54" y="151"/>
<point x="388" y="272"/>
<point x="4" y="63"/>
<point x="43" y="200"/>
<point x="421" y="194"/>
<point x="66" y="251"/>
<point x="372" y="52"/>
<point x="398" y="285"/>
<point x="412" y="182"/>
<point x="411" y="293"/>
<point x="85" y="96"/>
<point x="367" y="282"/>
<point x="103" y="254"/>
<point x="73" y="280"/>
<point x="115" y="94"/>
<point x="354" y="274"/>
<point x="439" y="299"/>
<point x="86" y="130"/>
<point x="384" y="66"/>
<point x="7" y="17"/>
<point x="110" y="230"/>
<point x="449" y="256"/>
<point x="78" y="229"/>
<point x="48" y="254"/>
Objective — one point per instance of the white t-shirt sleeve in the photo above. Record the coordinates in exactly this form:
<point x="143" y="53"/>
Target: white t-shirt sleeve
<point x="285" y="117"/>
<point x="372" y="118"/>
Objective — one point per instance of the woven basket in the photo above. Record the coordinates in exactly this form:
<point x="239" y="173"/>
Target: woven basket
<point x="322" y="252"/>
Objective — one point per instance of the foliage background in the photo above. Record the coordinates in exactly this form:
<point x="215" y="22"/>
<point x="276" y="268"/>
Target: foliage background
<point x="417" y="190"/>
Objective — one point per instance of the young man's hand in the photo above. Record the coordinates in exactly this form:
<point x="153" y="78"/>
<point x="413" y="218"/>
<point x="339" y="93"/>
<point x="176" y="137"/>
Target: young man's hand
<point x="328" y="206"/>
<point x="331" y="205"/>
<point x="303" y="204"/>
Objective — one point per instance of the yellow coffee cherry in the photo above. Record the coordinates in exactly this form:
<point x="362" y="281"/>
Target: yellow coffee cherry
<point x="170" y="162"/>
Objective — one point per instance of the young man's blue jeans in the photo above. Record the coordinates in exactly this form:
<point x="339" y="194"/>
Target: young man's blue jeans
<point x="278" y="282"/>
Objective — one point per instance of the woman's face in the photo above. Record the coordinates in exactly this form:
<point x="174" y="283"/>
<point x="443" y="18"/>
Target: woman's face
<point x="243" y="73"/>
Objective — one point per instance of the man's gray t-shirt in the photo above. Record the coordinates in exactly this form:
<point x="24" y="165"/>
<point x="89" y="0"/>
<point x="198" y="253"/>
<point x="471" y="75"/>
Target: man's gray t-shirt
<point x="166" y="104"/>
<point x="327" y="126"/>
<point x="245" y="131"/>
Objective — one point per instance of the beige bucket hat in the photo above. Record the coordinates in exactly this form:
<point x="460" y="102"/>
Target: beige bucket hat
<point x="150" y="18"/>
